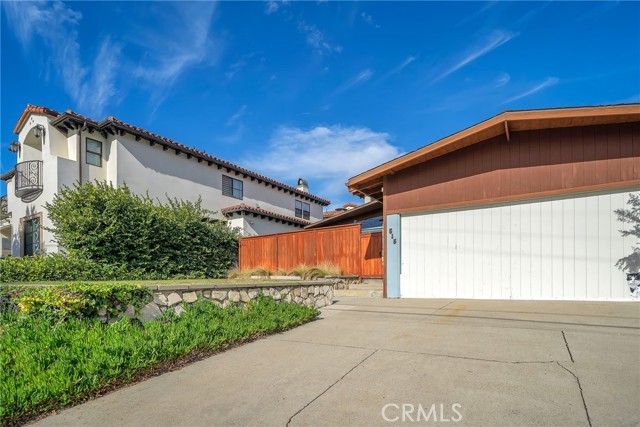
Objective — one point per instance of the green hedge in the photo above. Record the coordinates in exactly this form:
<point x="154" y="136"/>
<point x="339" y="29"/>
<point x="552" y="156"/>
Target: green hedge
<point x="46" y="364"/>
<point x="65" y="267"/>
<point x="112" y="234"/>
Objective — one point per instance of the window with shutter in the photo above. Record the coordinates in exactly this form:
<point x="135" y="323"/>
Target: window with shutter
<point x="232" y="187"/>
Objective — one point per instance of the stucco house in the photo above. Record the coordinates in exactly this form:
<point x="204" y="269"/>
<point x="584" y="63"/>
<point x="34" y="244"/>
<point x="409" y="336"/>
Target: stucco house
<point x="519" y="206"/>
<point x="58" y="149"/>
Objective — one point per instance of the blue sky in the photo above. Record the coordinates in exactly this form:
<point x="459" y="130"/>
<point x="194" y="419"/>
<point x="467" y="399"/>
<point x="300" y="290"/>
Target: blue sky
<point x="321" y="90"/>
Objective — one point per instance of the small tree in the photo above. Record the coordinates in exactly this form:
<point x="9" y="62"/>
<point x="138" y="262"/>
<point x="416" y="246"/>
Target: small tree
<point x="113" y="226"/>
<point x="631" y="262"/>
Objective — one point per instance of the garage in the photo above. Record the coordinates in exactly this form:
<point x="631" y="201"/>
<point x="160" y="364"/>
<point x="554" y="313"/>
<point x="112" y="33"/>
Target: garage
<point x="559" y="248"/>
<point x="519" y="206"/>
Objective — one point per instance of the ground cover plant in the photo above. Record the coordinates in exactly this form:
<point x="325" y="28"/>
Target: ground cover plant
<point x="81" y="300"/>
<point x="48" y="362"/>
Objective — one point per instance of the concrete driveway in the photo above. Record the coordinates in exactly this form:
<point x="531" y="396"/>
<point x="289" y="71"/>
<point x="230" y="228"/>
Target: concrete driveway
<point x="379" y="362"/>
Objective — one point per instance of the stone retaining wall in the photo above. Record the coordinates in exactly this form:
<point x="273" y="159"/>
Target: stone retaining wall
<point x="171" y="297"/>
<point x="343" y="282"/>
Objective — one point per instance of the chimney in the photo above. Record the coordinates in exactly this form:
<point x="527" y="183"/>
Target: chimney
<point x="303" y="185"/>
<point x="367" y="199"/>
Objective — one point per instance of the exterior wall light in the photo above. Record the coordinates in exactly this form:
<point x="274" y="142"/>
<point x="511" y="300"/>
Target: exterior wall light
<point x="39" y="132"/>
<point x="14" y="146"/>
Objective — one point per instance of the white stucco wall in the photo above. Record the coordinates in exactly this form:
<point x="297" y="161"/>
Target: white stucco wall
<point x="144" y="168"/>
<point x="256" y="226"/>
<point x="56" y="171"/>
<point x="163" y="173"/>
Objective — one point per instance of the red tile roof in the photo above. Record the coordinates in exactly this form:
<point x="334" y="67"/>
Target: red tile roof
<point x="247" y="208"/>
<point x="112" y="121"/>
<point x="340" y="210"/>
<point x="31" y="109"/>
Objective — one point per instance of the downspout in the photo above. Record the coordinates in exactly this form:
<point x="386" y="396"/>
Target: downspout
<point x="79" y="137"/>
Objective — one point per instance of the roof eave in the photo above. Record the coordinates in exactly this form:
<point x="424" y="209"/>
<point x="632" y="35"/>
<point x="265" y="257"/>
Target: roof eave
<point x="370" y="182"/>
<point x="255" y="211"/>
<point x="28" y="111"/>
<point x="139" y="134"/>
<point x="8" y="175"/>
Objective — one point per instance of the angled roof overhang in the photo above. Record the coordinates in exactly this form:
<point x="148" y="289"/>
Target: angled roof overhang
<point x="370" y="183"/>
<point x="263" y="213"/>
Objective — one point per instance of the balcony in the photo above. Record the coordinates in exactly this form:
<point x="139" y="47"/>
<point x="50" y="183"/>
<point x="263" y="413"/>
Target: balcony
<point x="28" y="180"/>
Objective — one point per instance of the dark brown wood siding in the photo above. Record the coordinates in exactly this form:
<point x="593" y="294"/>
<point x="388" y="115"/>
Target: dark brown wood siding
<point x="532" y="164"/>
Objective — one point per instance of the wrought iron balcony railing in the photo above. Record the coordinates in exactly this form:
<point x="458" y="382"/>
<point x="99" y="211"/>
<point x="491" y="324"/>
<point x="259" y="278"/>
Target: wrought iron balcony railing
<point x="28" y="179"/>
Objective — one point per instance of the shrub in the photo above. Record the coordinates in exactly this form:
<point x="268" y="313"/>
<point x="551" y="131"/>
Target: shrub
<point x="244" y="274"/>
<point x="304" y="271"/>
<point x="76" y="299"/>
<point x="58" y="267"/>
<point x="84" y="356"/>
<point x="321" y="270"/>
<point x="126" y="232"/>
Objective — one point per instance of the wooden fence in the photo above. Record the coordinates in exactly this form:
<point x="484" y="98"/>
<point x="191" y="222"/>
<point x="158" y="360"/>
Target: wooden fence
<point x="344" y="246"/>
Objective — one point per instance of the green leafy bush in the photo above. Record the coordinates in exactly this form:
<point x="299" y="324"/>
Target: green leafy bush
<point x="83" y="355"/>
<point x="76" y="299"/>
<point x="121" y="231"/>
<point x="59" y="267"/>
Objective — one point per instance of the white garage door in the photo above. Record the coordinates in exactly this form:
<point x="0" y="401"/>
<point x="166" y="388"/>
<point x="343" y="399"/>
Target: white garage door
<point x="561" y="248"/>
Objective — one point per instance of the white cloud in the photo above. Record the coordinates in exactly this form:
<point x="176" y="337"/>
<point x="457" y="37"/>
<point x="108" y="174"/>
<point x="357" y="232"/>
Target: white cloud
<point x="369" y="19"/>
<point x="183" y="40"/>
<point x="316" y="39"/>
<point x="496" y="39"/>
<point x="272" y="6"/>
<point x="548" y="82"/>
<point x="93" y="80"/>
<point x="313" y="35"/>
<point x="237" y="116"/>
<point x="470" y="17"/>
<point x="327" y="156"/>
<point x="240" y="64"/>
<point x="54" y="25"/>
<point x="96" y="92"/>
<point x="400" y="67"/>
<point x="502" y="80"/>
<point x="362" y="77"/>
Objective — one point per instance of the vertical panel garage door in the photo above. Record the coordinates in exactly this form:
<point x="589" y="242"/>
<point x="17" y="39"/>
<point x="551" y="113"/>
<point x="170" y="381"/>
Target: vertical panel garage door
<point x="560" y="248"/>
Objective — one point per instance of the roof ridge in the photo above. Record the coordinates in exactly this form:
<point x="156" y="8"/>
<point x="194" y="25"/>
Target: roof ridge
<point x="112" y="119"/>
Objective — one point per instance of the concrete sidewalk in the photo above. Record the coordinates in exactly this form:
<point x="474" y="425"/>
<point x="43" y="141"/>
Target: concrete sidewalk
<point x="505" y="363"/>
